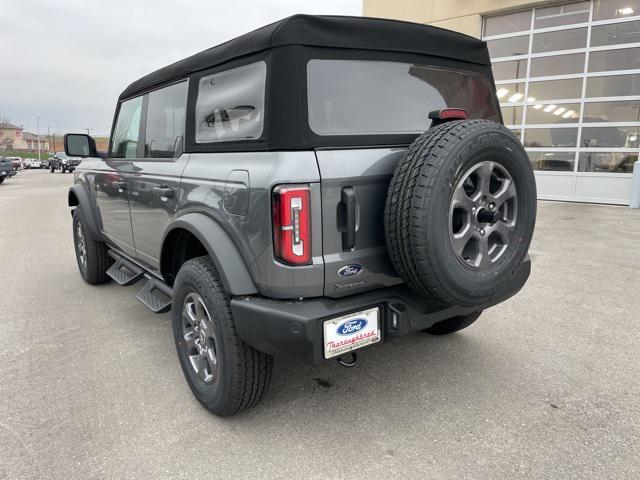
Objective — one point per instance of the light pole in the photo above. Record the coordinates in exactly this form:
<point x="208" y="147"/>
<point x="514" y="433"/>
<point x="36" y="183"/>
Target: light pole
<point x="56" y="134"/>
<point x="38" y="132"/>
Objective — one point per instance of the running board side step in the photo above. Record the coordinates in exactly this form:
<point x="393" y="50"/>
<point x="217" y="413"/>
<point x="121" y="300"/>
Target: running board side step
<point x="155" y="295"/>
<point x="124" y="272"/>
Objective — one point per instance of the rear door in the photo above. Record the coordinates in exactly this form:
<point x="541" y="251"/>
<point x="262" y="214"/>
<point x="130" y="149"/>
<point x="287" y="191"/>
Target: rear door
<point x="368" y="99"/>
<point x="113" y="176"/>
<point x="155" y="178"/>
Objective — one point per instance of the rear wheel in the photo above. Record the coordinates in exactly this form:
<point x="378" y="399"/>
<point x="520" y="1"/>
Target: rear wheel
<point x="453" y="324"/>
<point x="91" y="254"/>
<point x="1" y="179"/>
<point x="225" y="374"/>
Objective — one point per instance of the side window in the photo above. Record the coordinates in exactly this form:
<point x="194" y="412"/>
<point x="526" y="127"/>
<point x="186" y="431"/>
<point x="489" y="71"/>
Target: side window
<point x="124" y="143"/>
<point x="230" y="105"/>
<point x="166" y="112"/>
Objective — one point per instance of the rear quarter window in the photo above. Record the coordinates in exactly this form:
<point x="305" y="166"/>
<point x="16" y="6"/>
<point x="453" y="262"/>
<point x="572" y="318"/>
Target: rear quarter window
<point x="230" y="104"/>
<point x="361" y="97"/>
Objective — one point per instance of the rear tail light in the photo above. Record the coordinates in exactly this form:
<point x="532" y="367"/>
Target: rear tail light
<point x="291" y="224"/>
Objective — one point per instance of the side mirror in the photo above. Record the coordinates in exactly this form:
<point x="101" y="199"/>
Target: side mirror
<point x="79" y="145"/>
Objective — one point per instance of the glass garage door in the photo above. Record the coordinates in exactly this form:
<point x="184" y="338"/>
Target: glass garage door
<point x="568" y="79"/>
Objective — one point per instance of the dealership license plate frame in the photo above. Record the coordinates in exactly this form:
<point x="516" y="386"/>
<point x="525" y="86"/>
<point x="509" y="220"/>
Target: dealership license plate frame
<point x="371" y="333"/>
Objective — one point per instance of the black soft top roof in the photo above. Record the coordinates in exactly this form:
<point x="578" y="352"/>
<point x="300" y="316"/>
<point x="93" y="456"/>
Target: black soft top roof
<point x="359" y="33"/>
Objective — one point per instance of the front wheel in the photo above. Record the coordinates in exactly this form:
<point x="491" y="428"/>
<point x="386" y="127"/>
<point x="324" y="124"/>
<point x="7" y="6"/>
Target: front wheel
<point x="225" y="374"/>
<point x="91" y="254"/>
<point x="453" y="324"/>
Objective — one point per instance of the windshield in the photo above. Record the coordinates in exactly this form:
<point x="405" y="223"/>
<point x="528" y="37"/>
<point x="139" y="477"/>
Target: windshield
<point x="360" y="97"/>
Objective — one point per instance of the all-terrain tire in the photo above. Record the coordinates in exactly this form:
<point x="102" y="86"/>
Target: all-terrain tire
<point x="93" y="260"/>
<point x="453" y="324"/>
<point x="243" y="373"/>
<point x="419" y="202"/>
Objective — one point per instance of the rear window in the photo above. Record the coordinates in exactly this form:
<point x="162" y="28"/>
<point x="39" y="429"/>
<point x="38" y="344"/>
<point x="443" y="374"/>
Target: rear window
<point x="358" y="97"/>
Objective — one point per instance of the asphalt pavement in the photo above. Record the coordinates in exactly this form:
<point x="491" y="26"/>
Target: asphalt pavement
<point x="546" y="385"/>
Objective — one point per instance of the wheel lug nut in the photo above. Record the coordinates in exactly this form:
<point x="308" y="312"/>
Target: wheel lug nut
<point x="492" y="206"/>
<point x="482" y="231"/>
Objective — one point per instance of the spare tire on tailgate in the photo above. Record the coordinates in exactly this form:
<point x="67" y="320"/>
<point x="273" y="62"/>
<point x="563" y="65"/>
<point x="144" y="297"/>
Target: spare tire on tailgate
<point x="460" y="211"/>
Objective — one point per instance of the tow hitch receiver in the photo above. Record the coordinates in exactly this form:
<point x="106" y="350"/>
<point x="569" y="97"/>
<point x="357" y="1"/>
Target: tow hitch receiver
<point x="350" y="363"/>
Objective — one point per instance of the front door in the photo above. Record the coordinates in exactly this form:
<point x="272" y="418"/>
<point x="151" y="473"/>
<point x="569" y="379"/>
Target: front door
<point x="113" y="177"/>
<point x="155" y="179"/>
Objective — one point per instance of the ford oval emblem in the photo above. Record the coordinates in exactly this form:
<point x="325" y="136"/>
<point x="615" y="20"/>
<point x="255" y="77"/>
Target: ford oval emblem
<point x="351" y="326"/>
<point x="350" y="270"/>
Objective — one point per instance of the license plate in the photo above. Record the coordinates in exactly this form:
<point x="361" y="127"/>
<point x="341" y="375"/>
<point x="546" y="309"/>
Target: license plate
<point x="350" y="332"/>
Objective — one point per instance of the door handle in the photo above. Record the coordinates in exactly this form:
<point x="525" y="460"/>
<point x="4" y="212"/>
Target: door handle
<point x="163" y="191"/>
<point x="348" y="201"/>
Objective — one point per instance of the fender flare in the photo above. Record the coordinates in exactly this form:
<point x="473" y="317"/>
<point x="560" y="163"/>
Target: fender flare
<point x="85" y="207"/>
<point x="231" y="266"/>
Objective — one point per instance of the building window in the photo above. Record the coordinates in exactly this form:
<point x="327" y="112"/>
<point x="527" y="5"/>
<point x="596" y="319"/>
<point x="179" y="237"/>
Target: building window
<point x="568" y="79"/>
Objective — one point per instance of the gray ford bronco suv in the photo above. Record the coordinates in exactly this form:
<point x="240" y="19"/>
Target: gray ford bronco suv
<point x="309" y="189"/>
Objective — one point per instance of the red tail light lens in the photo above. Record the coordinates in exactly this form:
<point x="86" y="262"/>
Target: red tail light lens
<point x="440" y="116"/>
<point x="291" y="225"/>
<point x="452" y="114"/>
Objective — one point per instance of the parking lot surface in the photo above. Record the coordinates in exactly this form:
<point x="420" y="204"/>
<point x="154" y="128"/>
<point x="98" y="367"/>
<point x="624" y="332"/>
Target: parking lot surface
<point x="545" y="385"/>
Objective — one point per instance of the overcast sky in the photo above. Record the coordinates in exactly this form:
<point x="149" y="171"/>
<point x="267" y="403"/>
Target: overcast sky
<point x="70" y="59"/>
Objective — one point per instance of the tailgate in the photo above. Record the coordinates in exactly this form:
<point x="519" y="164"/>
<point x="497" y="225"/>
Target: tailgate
<point x="354" y="185"/>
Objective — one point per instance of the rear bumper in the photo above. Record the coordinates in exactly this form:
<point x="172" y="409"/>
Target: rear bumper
<point x="294" y="329"/>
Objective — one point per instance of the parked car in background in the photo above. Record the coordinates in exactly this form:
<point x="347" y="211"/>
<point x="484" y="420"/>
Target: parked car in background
<point x="45" y="163"/>
<point x="6" y="169"/>
<point x="64" y="163"/>
<point x="35" y="163"/>
<point x="16" y="162"/>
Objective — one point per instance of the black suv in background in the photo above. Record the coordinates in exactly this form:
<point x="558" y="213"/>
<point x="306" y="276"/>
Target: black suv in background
<point x="6" y="169"/>
<point x="312" y="188"/>
<point x="63" y="162"/>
